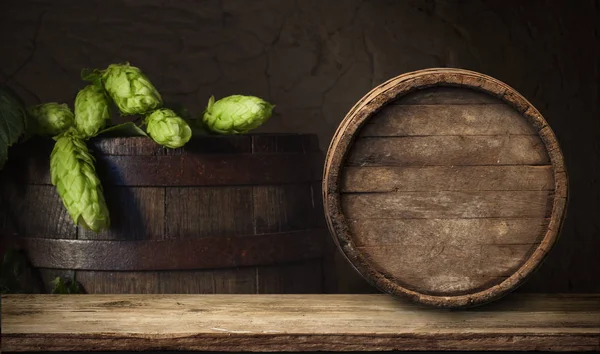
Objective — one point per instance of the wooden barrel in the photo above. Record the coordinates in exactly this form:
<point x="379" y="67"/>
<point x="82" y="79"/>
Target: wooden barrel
<point x="224" y="214"/>
<point x="445" y="186"/>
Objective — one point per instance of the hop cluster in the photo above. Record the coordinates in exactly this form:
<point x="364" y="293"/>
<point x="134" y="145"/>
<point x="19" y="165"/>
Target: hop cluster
<point x="236" y="114"/>
<point x="51" y="118"/>
<point x="74" y="175"/>
<point x="92" y="111"/>
<point x="130" y="89"/>
<point x="167" y="128"/>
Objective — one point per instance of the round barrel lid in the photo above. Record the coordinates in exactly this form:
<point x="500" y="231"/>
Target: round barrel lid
<point x="445" y="186"/>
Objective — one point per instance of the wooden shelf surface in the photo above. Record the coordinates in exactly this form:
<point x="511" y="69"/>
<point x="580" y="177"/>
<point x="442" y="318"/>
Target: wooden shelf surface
<point x="267" y="323"/>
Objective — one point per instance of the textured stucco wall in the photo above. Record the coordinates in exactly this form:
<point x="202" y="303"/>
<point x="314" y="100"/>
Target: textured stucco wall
<point x="314" y="59"/>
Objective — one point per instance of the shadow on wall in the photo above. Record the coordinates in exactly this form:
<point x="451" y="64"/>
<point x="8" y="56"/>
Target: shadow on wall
<point x="315" y="59"/>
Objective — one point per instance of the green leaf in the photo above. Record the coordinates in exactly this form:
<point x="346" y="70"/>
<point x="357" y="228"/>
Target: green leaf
<point x="13" y="121"/>
<point x="125" y="129"/>
<point x="13" y="264"/>
<point x="66" y="287"/>
<point x="92" y="75"/>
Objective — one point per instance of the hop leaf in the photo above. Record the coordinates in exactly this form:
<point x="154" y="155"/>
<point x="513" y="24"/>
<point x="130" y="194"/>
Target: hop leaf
<point x="50" y="118"/>
<point x="130" y="89"/>
<point x="74" y="175"/>
<point x="168" y="129"/>
<point x="69" y="286"/>
<point x="13" y="121"/>
<point x="236" y="114"/>
<point x="92" y="111"/>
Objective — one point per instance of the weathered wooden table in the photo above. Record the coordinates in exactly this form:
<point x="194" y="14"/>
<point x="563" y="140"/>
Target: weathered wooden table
<point x="267" y="323"/>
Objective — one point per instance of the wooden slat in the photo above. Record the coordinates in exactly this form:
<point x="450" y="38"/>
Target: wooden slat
<point x="447" y="268"/>
<point x="291" y="323"/>
<point x="50" y="217"/>
<point x="432" y="232"/>
<point x="144" y="217"/>
<point x="234" y="280"/>
<point x="409" y="120"/>
<point x="206" y="211"/>
<point x="303" y="277"/>
<point x="283" y="208"/>
<point x="492" y="204"/>
<point x="447" y="96"/>
<point x="449" y="150"/>
<point x="100" y="282"/>
<point x="447" y="178"/>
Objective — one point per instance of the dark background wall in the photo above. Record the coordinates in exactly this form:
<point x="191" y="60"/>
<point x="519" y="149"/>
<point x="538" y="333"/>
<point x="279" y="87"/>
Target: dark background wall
<point x="315" y="58"/>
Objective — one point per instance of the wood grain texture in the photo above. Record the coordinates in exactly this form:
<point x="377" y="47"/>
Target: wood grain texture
<point x="447" y="269"/>
<point x="442" y="95"/>
<point x="19" y="201"/>
<point x="448" y="150"/>
<point x="303" y="277"/>
<point x="419" y="120"/>
<point x="456" y="151"/>
<point x="217" y="210"/>
<point x="283" y="208"/>
<point x="292" y="323"/>
<point x="479" y="204"/>
<point x="143" y="217"/>
<point x="456" y="232"/>
<point x="447" y="178"/>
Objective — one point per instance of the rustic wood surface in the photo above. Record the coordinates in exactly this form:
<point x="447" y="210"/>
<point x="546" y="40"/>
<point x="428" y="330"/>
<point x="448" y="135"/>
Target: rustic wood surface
<point x="266" y="323"/>
<point x="187" y="220"/>
<point x="445" y="186"/>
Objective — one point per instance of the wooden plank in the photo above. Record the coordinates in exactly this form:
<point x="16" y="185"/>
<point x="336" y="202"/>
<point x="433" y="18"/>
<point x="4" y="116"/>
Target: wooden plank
<point x="135" y="213"/>
<point x="447" y="96"/>
<point x="209" y="211"/>
<point x="473" y="119"/>
<point x="447" y="178"/>
<point x="283" y="208"/>
<point x="102" y="282"/>
<point x="448" y="150"/>
<point x="304" y="277"/>
<point x="186" y="282"/>
<point x="447" y="268"/>
<point x="291" y="323"/>
<point x="447" y="256"/>
<point x="235" y="281"/>
<point x="431" y="205"/>
<point x="34" y="211"/>
<point x="461" y="232"/>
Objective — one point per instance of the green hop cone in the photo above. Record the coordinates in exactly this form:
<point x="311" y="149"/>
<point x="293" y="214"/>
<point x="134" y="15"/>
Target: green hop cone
<point x="168" y="129"/>
<point x="236" y="114"/>
<point x="74" y="175"/>
<point x="92" y="111"/>
<point x="130" y="89"/>
<point x="50" y="118"/>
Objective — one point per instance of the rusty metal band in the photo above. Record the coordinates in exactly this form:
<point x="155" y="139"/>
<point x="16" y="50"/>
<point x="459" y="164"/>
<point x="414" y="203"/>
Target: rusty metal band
<point x="176" y="254"/>
<point x="187" y="170"/>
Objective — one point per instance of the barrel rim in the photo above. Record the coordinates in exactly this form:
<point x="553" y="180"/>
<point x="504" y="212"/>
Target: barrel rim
<point x="392" y="90"/>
